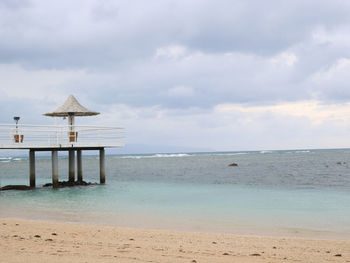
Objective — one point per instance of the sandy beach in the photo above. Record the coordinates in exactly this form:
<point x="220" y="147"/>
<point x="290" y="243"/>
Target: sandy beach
<point x="34" y="241"/>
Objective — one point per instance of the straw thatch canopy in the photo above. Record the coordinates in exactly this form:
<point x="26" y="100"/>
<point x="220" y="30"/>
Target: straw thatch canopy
<point x="71" y="107"/>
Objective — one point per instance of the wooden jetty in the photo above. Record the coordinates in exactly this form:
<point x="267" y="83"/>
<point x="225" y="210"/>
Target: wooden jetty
<point x="55" y="138"/>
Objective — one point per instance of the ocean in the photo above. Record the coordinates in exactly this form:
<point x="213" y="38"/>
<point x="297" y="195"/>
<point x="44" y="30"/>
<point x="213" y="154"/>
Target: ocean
<point x="289" y="193"/>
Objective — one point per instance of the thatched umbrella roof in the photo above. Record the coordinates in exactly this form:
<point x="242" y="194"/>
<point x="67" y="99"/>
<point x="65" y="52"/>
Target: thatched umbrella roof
<point x="71" y="107"/>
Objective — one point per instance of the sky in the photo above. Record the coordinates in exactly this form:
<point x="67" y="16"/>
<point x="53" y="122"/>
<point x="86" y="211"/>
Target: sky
<point x="184" y="75"/>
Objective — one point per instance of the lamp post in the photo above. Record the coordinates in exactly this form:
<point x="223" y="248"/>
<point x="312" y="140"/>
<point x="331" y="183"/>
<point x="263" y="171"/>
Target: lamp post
<point x="18" y="138"/>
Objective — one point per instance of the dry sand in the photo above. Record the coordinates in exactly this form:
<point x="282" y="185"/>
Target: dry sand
<point x="32" y="241"/>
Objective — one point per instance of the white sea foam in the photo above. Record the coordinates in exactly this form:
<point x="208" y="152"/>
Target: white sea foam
<point x="5" y="159"/>
<point x="10" y="159"/>
<point x="158" y="155"/>
<point x="174" y="155"/>
<point x="228" y="154"/>
<point x="17" y="159"/>
<point x="265" y="152"/>
<point x="299" y="151"/>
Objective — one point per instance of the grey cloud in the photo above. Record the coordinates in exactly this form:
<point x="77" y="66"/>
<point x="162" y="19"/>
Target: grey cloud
<point x="13" y="4"/>
<point x="213" y="79"/>
<point x="115" y="44"/>
<point x="105" y="33"/>
<point x="15" y="107"/>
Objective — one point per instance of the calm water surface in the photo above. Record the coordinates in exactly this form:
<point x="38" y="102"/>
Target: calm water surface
<point x="301" y="193"/>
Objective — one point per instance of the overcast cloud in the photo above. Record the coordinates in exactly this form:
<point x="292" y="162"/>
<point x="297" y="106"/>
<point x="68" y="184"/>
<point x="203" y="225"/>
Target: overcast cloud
<point x="220" y="75"/>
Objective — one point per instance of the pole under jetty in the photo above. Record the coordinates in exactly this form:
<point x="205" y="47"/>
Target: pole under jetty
<point x="32" y="168"/>
<point x="102" y="166"/>
<point x="71" y="166"/>
<point x="79" y="166"/>
<point x="54" y="169"/>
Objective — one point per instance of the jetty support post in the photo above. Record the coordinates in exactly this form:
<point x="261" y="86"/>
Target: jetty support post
<point x="102" y="166"/>
<point x="71" y="166"/>
<point x="54" y="169"/>
<point x="79" y="166"/>
<point x="32" y="168"/>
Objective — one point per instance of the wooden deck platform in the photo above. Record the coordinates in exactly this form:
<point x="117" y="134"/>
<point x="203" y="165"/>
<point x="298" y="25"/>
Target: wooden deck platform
<point x="61" y="138"/>
<point x="60" y="147"/>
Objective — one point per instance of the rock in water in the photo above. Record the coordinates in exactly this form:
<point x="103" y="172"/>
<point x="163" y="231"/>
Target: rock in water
<point x="15" y="187"/>
<point x="70" y="184"/>
<point x="233" y="164"/>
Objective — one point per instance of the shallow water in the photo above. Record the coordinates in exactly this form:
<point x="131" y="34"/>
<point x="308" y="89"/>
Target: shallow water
<point x="283" y="192"/>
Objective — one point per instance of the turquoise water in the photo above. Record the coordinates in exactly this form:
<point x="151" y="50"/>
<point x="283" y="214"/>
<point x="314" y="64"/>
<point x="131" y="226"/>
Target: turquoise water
<point x="303" y="193"/>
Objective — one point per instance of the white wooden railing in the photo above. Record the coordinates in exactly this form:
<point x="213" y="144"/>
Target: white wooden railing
<point x="25" y="135"/>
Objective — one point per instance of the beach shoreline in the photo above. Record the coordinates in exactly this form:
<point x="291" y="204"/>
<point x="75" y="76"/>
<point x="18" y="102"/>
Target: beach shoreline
<point x="159" y="222"/>
<point x="43" y="241"/>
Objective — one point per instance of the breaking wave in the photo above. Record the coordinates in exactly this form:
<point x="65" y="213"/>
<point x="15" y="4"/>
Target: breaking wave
<point x="10" y="159"/>
<point x="158" y="155"/>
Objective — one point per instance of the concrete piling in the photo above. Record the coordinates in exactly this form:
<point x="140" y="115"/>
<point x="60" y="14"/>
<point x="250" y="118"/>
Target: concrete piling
<point x="71" y="165"/>
<point x="54" y="169"/>
<point x="32" y="168"/>
<point x="79" y="166"/>
<point x="102" y="166"/>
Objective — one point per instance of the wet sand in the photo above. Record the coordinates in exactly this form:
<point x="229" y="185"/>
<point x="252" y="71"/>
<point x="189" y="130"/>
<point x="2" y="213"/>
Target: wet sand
<point x="34" y="241"/>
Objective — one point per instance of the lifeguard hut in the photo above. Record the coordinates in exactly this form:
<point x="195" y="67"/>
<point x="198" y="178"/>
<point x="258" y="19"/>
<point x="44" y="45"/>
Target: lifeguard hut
<point x="54" y="138"/>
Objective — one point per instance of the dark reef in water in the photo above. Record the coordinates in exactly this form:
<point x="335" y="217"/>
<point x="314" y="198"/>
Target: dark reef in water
<point x="15" y="187"/>
<point x="70" y="184"/>
<point x="60" y="185"/>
